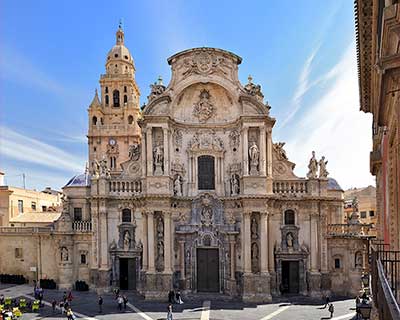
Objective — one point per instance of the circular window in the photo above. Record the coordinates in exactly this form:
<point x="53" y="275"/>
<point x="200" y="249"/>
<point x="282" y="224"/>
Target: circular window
<point x="116" y="55"/>
<point x="126" y="57"/>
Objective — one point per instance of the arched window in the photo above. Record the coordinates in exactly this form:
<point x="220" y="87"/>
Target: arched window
<point x="130" y="119"/>
<point x="125" y="89"/>
<point x="206" y="178"/>
<point x="116" y="98"/>
<point x="126" y="215"/>
<point x="125" y="98"/>
<point x="94" y="120"/>
<point x="289" y="217"/>
<point x="101" y="121"/>
<point x="107" y="100"/>
<point x="113" y="162"/>
<point x="106" y="90"/>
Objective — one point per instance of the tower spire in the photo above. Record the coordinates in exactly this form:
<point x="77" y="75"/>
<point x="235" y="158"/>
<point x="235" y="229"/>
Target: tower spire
<point x="120" y="34"/>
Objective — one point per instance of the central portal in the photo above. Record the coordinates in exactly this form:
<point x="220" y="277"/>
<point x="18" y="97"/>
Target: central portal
<point x="207" y="270"/>
<point x="127" y="273"/>
<point x="290" y="277"/>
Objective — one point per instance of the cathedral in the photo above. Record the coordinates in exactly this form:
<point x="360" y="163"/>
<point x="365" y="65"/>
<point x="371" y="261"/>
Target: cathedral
<point x="190" y="191"/>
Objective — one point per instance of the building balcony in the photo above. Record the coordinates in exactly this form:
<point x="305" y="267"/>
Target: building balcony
<point x="290" y="186"/>
<point x="82" y="226"/>
<point x="122" y="187"/>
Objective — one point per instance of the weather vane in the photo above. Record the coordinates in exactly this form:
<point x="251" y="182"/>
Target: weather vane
<point x="121" y="23"/>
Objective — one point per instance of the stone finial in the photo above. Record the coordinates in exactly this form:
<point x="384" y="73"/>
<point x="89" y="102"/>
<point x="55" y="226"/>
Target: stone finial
<point x="250" y="78"/>
<point x="160" y="81"/>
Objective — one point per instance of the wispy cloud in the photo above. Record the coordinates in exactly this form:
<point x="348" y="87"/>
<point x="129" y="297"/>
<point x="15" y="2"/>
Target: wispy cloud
<point x="20" y="147"/>
<point x="334" y="127"/>
<point x="16" y="67"/>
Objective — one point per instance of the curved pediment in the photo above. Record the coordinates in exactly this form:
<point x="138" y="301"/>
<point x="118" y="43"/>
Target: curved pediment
<point x="282" y="168"/>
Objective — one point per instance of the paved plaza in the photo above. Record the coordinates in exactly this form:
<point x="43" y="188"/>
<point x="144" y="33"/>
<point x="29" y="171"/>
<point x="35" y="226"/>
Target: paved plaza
<point x="85" y="306"/>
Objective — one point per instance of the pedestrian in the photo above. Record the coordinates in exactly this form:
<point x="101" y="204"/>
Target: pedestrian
<point x="53" y="305"/>
<point x="62" y="307"/>
<point x="1" y="298"/>
<point x="70" y="297"/>
<point x="40" y="297"/>
<point x="327" y="300"/>
<point x="169" y="314"/>
<point x="178" y="298"/>
<point x="120" y="301"/>
<point x="331" y="309"/>
<point x="64" y="296"/>
<point x="125" y="301"/>
<point x="100" y="304"/>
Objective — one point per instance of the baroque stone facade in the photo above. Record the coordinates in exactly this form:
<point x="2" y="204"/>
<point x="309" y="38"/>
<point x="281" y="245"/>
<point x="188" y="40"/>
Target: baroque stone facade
<point x="192" y="192"/>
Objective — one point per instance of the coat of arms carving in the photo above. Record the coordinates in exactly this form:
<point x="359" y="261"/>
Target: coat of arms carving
<point x="203" y="109"/>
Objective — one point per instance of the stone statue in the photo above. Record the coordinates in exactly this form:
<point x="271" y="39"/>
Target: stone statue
<point x="134" y="152"/>
<point x="234" y="138"/>
<point x="281" y="153"/>
<point x="235" y="185"/>
<point x="254" y="228"/>
<point x="160" y="227"/>
<point x="254" y="256"/>
<point x="206" y="216"/>
<point x="178" y="186"/>
<point x="158" y="154"/>
<point x="203" y="109"/>
<point x="323" y="173"/>
<point x="127" y="241"/>
<point x="64" y="254"/>
<point x="254" y="155"/>
<point x="312" y="167"/>
<point x="160" y="249"/>
<point x="289" y="240"/>
<point x="104" y="170"/>
<point x="95" y="168"/>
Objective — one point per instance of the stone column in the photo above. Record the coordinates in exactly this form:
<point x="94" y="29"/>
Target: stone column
<point x="232" y="253"/>
<point x="217" y="174"/>
<point x="149" y="147"/>
<point x="166" y="152"/>
<point x="167" y="242"/>
<point x="182" y="258"/>
<point x="247" y="242"/>
<point x="269" y="152"/>
<point x="145" y="249"/>
<point x="245" y="151"/>
<point x="271" y="258"/>
<point x="143" y="155"/>
<point x="103" y="237"/>
<point x="264" y="242"/>
<point x="150" y="241"/>
<point x="314" y="242"/>
<point x="263" y="151"/>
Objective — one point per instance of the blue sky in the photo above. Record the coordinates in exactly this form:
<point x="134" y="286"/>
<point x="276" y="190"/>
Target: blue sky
<point x="53" y="52"/>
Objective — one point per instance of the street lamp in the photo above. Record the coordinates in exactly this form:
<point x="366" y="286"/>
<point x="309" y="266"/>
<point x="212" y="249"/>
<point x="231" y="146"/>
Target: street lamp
<point x="365" y="280"/>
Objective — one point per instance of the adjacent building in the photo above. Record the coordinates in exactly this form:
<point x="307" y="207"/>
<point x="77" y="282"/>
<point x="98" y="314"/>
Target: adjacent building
<point x="15" y="202"/>
<point x="366" y="201"/>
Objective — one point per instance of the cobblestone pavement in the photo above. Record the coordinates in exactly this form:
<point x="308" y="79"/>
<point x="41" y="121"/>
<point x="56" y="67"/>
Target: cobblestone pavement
<point x="85" y="306"/>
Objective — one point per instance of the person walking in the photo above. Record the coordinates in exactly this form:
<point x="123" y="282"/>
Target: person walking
<point x="327" y="300"/>
<point x="53" y="305"/>
<point x="169" y="314"/>
<point x="100" y="301"/>
<point x="331" y="309"/>
<point x="125" y="301"/>
<point x="120" y="301"/>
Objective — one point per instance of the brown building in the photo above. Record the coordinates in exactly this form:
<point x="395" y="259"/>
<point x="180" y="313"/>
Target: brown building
<point x="378" y="50"/>
<point x="366" y="198"/>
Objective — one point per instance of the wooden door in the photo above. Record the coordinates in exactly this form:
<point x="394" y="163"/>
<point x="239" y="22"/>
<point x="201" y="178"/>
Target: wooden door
<point x="207" y="270"/>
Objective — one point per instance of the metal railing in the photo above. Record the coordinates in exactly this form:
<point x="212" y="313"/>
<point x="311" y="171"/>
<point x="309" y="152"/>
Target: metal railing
<point x="290" y="186"/>
<point x="385" y="269"/>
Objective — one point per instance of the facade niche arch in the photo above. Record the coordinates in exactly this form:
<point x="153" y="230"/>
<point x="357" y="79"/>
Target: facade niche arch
<point x="94" y="120"/>
<point x="116" y="98"/>
<point x="289" y="217"/>
<point x="126" y="215"/>
<point x="206" y="172"/>
<point x="130" y="119"/>
<point x="125" y="99"/>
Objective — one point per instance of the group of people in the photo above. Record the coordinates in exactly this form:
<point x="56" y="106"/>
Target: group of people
<point x="175" y="297"/>
<point x="329" y="305"/>
<point x="122" y="300"/>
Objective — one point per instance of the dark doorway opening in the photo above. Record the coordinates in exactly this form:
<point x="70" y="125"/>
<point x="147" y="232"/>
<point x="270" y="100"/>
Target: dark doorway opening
<point x="207" y="270"/>
<point x="290" y="277"/>
<point x="127" y="273"/>
<point x="206" y="172"/>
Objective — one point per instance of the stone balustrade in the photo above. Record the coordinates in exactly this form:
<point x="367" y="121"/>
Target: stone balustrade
<point x="125" y="187"/>
<point x="30" y="230"/>
<point x="349" y="230"/>
<point x="82" y="226"/>
<point x="290" y="186"/>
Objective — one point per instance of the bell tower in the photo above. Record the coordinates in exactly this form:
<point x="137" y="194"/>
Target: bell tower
<point x="113" y="116"/>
